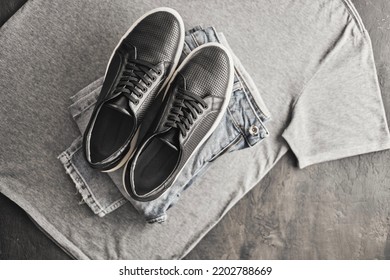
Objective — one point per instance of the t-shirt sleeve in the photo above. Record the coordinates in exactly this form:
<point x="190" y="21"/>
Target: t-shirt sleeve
<point x="340" y="111"/>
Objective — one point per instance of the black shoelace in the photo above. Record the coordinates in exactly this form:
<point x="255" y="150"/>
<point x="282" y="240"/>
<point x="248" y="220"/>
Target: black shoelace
<point x="185" y="110"/>
<point x="136" y="70"/>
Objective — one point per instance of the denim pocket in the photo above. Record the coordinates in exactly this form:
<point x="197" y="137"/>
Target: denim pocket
<point x="245" y="118"/>
<point x="233" y="146"/>
<point x="239" y="128"/>
<point x="225" y="135"/>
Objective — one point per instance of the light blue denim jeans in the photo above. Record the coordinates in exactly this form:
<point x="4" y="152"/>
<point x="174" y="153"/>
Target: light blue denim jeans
<point x="241" y="127"/>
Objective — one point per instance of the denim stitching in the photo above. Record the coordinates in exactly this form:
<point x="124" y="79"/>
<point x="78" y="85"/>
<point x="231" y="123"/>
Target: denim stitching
<point x="79" y="183"/>
<point x="227" y="147"/>
<point x="83" y="188"/>
<point x="253" y="105"/>
<point x="234" y="121"/>
<point x="158" y="219"/>
<point x="184" y="51"/>
<point x="194" y="39"/>
<point x="91" y="196"/>
<point x="82" y="110"/>
<point x="115" y="205"/>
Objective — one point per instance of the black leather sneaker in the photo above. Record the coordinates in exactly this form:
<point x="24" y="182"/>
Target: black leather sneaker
<point x="139" y="68"/>
<point x="196" y="99"/>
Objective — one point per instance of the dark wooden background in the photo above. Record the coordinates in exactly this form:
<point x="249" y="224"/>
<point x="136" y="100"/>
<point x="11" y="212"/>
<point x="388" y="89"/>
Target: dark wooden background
<point x="290" y="215"/>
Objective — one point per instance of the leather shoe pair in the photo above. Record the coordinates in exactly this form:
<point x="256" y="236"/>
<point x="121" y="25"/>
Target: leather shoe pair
<point x="150" y="115"/>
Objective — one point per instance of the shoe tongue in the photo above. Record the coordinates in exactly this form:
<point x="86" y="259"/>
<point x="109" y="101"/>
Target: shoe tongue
<point x="120" y="104"/>
<point x="171" y="137"/>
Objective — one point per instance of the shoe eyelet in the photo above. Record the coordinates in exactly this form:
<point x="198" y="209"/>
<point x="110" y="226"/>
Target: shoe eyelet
<point x="136" y="102"/>
<point x="159" y="72"/>
<point x="149" y="84"/>
<point x="153" y="78"/>
<point x="141" y="95"/>
<point x="144" y="89"/>
<point x="206" y="107"/>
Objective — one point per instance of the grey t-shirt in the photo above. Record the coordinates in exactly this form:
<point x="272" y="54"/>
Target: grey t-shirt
<point x="312" y="62"/>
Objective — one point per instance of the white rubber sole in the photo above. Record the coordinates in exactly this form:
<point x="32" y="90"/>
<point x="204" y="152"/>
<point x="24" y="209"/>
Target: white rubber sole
<point x="174" y="65"/>
<point x="128" y="155"/>
<point x="217" y="121"/>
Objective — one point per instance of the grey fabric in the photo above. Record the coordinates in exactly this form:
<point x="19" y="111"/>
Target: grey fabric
<point x="294" y="50"/>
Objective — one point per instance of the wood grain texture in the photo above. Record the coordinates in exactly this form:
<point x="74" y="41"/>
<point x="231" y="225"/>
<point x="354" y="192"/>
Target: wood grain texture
<point x="335" y="210"/>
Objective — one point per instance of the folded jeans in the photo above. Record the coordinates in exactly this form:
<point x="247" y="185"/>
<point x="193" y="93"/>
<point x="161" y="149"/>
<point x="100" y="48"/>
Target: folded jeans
<point x="242" y="126"/>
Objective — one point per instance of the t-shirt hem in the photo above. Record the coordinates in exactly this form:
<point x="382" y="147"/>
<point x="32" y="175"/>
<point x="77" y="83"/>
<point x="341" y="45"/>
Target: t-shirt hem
<point x="45" y="226"/>
<point x="342" y="153"/>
